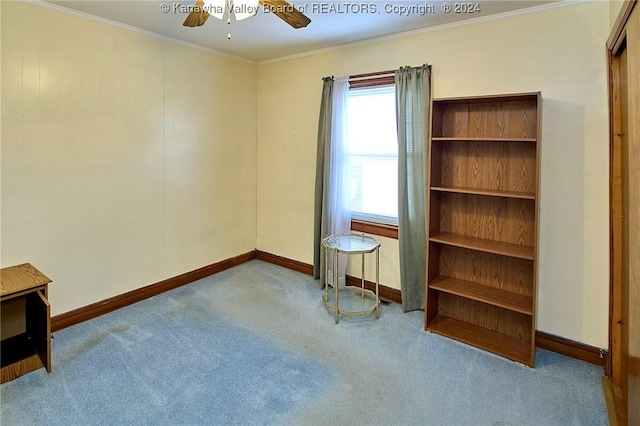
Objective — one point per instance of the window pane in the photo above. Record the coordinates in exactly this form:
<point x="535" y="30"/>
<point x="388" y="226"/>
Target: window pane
<point x="374" y="186"/>
<point x="373" y="154"/>
<point x="372" y="121"/>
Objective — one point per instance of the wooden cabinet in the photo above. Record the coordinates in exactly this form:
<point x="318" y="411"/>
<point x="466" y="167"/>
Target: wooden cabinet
<point x="25" y="328"/>
<point x="482" y="193"/>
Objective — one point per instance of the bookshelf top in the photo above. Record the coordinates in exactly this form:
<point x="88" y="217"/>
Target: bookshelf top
<point x="514" y="97"/>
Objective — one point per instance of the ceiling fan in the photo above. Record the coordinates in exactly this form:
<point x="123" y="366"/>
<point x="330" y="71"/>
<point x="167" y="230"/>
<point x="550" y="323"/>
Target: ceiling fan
<point x="244" y="9"/>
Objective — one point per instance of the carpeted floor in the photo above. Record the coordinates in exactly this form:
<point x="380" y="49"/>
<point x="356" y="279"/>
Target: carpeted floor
<point x="255" y="345"/>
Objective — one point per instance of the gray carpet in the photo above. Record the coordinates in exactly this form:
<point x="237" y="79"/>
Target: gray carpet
<point x="254" y="345"/>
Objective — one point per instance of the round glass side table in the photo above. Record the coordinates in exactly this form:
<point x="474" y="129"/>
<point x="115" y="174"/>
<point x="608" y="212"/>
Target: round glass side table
<point x="356" y="301"/>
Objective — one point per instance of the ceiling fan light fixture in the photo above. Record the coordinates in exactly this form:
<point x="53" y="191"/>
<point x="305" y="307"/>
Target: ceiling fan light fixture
<point x="215" y="8"/>
<point x="243" y="9"/>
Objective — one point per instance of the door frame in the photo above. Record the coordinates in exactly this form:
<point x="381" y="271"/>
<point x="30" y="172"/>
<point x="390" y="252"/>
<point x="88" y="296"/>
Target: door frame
<point x="615" y="383"/>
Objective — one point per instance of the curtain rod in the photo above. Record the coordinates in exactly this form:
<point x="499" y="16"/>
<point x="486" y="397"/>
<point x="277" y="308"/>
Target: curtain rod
<point x="374" y="75"/>
<point x="371" y="76"/>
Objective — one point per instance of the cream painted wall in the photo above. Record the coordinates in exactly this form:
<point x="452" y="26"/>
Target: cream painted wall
<point x="559" y="52"/>
<point x="125" y="159"/>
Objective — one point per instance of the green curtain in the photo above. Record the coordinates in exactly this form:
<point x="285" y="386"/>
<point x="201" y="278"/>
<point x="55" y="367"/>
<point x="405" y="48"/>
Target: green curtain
<point x="324" y="139"/>
<point x="413" y="102"/>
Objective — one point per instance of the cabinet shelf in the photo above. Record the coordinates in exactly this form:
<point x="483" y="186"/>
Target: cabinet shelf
<point x="498" y="343"/>
<point x="473" y="243"/>
<point x="485" y="294"/>
<point x="480" y="191"/>
<point x="473" y="139"/>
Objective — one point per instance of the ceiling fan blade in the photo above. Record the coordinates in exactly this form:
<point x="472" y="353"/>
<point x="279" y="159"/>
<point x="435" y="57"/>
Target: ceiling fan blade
<point x="198" y="15"/>
<point x="286" y="12"/>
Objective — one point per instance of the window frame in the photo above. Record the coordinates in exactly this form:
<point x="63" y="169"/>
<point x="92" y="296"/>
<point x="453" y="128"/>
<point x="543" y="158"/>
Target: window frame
<point x="383" y="78"/>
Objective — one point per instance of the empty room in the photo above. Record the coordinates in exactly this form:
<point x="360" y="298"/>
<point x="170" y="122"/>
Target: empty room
<point x="239" y="212"/>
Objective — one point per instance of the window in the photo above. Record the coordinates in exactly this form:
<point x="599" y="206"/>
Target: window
<point x="373" y="155"/>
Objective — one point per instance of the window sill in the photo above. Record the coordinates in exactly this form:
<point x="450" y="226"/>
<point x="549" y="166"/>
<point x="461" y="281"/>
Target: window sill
<point x="374" y="228"/>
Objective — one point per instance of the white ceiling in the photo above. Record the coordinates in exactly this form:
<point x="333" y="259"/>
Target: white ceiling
<point x="265" y="37"/>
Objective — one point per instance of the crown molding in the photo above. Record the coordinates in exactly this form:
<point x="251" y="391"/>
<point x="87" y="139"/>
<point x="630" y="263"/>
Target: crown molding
<point x="131" y="28"/>
<point x="435" y="28"/>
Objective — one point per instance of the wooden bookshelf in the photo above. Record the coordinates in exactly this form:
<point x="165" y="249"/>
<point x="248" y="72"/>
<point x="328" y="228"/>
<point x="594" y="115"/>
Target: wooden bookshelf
<point x="483" y="222"/>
